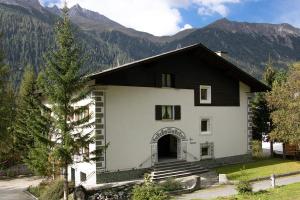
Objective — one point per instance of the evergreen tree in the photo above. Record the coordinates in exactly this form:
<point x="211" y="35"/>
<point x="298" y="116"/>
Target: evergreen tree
<point x="6" y="108"/>
<point x="261" y="112"/>
<point x="63" y="86"/>
<point x="32" y="126"/>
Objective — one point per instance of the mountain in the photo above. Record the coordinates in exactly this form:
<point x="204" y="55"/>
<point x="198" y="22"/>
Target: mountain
<point x="29" y="4"/>
<point x="28" y="35"/>
<point x="250" y="45"/>
<point x="27" y="29"/>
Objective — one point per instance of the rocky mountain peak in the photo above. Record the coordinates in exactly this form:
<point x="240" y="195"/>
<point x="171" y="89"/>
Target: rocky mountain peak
<point x="77" y="10"/>
<point x="55" y="10"/>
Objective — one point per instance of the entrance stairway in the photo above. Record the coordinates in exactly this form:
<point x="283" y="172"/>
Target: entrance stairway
<point x="175" y="169"/>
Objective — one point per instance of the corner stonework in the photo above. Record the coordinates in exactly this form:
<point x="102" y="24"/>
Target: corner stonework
<point x="99" y="98"/>
<point x="249" y="123"/>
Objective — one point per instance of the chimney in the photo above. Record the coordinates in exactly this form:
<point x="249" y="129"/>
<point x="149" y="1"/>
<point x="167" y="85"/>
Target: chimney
<point x="221" y="53"/>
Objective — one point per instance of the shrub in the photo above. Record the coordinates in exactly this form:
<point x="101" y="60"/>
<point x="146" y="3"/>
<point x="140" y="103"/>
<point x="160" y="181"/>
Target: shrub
<point x="149" y="191"/>
<point x="244" y="187"/>
<point x="38" y="190"/>
<point x="10" y="173"/>
<point x="257" y="151"/>
<point x="53" y="191"/>
<point x="171" y="185"/>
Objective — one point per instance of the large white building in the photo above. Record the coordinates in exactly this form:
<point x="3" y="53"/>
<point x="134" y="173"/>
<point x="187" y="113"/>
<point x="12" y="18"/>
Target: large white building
<point x="189" y="104"/>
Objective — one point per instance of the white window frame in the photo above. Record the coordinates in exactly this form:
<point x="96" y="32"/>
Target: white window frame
<point x="209" y="145"/>
<point x="172" y="110"/>
<point x="209" y="126"/>
<point x="208" y="100"/>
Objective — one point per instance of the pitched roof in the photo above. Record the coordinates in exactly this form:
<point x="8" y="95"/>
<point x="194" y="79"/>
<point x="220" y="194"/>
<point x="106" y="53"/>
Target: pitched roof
<point x="233" y="70"/>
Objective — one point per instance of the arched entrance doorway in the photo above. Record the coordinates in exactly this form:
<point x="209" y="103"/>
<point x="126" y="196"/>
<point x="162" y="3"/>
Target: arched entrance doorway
<point x="167" y="147"/>
<point x="169" y="142"/>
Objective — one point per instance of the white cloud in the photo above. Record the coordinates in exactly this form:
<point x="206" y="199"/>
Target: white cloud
<point x="158" y="17"/>
<point x="210" y="7"/>
<point x="186" y="26"/>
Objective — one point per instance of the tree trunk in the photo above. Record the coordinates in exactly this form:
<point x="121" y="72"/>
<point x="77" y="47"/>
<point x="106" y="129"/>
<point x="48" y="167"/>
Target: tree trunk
<point x="283" y="151"/>
<point x="53" y="171"/>
<point x="66" y="186"/>
<point x="271" y="149"/>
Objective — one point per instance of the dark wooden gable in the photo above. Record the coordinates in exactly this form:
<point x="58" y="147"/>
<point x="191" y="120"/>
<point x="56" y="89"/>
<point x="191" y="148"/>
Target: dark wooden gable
<point x="189" y="70"/>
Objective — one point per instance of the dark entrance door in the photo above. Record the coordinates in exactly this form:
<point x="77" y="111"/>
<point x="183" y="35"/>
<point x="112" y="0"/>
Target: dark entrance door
<point x="167" y="147"/>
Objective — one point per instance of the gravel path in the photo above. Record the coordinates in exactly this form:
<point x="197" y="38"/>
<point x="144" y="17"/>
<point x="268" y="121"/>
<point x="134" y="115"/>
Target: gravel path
<point x="13" y="189"/>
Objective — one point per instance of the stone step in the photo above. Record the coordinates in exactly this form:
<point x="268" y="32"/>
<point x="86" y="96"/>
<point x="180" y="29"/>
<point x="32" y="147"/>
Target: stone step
<point x="174" y="165"/>
<point x="182" y="171"/>
<point x="175" y="169"/>
<point x="169" y="163"/>
<point x="178" y="175"/>
<point x="181" y="168"/>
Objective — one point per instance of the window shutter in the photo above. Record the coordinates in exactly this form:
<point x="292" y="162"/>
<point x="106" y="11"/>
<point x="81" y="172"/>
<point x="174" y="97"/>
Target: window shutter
<point x="158" y="80"/>
<point x="173" y="81"/>
<point x="177" y="112"/>
<point x="197" y="95"/>
<point x="158" y="110"/>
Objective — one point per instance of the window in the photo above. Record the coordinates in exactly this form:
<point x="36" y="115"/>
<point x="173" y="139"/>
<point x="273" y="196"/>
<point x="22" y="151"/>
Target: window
<point x="167" y="112"/>
<point x="207" y="150"/>
<point x="205" y="94"/>
<point x="86" y="152"/>
<point x="167" y="80"/>
<point x="85" y="113"/>
<point x="204" y="151"/>
<point x="72" y="174"/>
<point x="82" y="176"/>
<point x="205" y="126"/>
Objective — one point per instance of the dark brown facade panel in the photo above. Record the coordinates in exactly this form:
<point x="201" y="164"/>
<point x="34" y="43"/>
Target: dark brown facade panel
<point x="188" y="72"/>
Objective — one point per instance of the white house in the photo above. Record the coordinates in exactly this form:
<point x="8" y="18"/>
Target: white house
<point x="189" y="104"/>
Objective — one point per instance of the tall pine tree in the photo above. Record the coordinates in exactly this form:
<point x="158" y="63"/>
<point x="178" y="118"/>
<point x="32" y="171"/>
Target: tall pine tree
<point x="7" y="97"/>
<point x="261" y="112"/>
<point x="32" y="126"/>
<point x="63" y="86"/>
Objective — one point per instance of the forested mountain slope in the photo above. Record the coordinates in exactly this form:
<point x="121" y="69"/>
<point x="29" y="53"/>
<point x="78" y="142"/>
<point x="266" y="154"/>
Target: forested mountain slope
<point x="27" y="29"/>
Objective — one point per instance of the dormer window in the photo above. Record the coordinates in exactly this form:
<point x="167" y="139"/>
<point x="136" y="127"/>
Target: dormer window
<point x="167" y="80"/>
<point x="205" y="94"/>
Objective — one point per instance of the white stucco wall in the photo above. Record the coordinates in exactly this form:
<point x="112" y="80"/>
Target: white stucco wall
<point x="88" y="168"/>
<point x="130" y="124"/>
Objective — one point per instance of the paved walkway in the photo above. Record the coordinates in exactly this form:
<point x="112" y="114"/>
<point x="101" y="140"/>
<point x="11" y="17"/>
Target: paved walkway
<point x="12" y="189"/>
<point x="228" y="190"/>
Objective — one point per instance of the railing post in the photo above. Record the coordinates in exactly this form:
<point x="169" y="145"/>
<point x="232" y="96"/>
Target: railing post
<point x="273" y="184"/>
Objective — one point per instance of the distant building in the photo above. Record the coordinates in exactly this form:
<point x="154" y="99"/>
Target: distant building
<point x="186" y="105"/>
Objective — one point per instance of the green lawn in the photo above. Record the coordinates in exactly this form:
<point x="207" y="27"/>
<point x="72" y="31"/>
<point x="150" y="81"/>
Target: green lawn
<point x="259" y="168"/>
<point x="289" y="192"/>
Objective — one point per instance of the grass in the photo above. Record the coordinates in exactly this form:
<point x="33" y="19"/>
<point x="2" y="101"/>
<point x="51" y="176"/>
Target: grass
<point x="260" y="168"/>
<point x="289" y="192"/>
<point x="38" y="190"/>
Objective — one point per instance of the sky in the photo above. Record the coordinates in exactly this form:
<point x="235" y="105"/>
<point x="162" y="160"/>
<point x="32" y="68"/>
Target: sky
<point x="167" y="17"/>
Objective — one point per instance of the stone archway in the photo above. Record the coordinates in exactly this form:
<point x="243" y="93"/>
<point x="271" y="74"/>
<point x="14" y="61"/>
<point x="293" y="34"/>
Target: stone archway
<point x="181" y="143"/>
